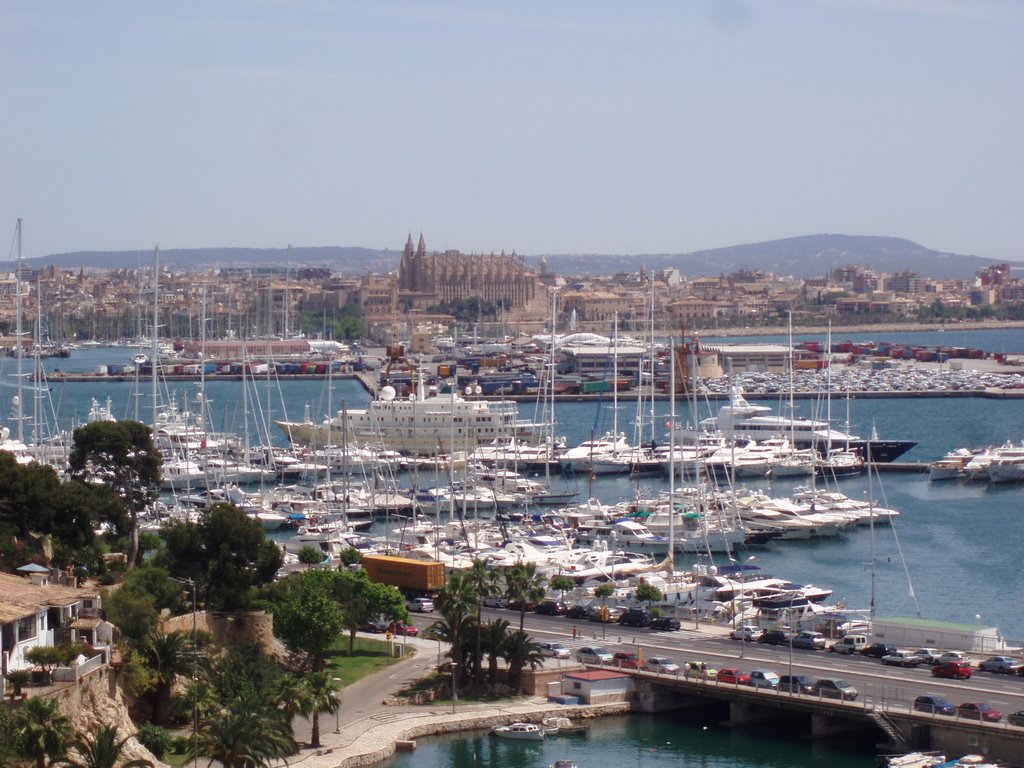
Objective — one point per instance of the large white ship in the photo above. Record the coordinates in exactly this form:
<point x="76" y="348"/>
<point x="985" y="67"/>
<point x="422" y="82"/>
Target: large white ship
<point x="421" y="425"/>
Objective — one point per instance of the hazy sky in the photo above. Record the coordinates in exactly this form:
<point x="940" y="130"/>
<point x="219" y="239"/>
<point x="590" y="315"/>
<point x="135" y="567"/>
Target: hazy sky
<point x="574" y="126"/>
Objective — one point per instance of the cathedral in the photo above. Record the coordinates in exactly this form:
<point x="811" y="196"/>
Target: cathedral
<point x="431" y="278"/>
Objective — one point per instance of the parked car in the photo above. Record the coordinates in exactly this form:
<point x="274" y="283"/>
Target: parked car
<point x="496" y="601"/>
<point x="814" y="641"/>
<point x="935" y="704"/>
<point x="551" y="608"/>
<point x="1006" y="665"/>
<point x="764" y="678"/>
<point x="956" y="670"/>
<point x="555" y="650"/>
<point x="669" y="623"/>
<point x="954" y="656"/>
<point x="700" y="669"/>
<point x="979" y="710"/>
<point x="901" y="659"/>
<point x="577" y="612"/>
<point x="776" y="637"/>
<point x="878" y="650"/>
<point x="1016" y="718"/>
<point x="661" y="664"/>
<point x="733" y="675"/>
<point x="636" y="617"/>
<point x="626" y="660"/>
<point x="401" y="628"/>
<point x="929" y="655"/>
<point x="420" y="605"/>
<point x="795" y="684"/>
<point x="851" y="643"/>
<point x="834" y="688"/>
<point x="601" y="613"/>
<point x="377" y="626"/>
<point x="747" y="632"/>
<point x="593" y="654"/>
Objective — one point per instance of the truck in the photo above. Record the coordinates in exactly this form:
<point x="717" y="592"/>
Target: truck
<point x="410" y="576"/>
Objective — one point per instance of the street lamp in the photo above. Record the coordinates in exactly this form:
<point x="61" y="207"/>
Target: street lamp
<point x="743" y="640"/>
<point x="455" y="695"/>
<point x="337" y="712"/>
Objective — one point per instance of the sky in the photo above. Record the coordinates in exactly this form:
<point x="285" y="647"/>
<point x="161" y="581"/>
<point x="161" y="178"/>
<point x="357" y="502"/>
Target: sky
<point x="554" y="127"/>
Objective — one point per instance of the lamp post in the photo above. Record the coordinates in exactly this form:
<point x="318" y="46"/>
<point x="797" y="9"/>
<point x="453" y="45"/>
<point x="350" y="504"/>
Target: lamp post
<point x="455" y="695"/>
<point x="337" y="712"/>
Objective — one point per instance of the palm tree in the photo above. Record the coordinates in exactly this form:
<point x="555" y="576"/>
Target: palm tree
<point x="524" y="584"/>
<point x="41" y="731"/>
<point x="167" y="656"/>
<point x="245" y="735"/>
<point x="494" y="633"/>
<point x="319" y="695"/>
<point x="520" y="650"/>
<point x="455" y="604"/>
<point x="485" y="581"/>
<point x="101" y="750"/>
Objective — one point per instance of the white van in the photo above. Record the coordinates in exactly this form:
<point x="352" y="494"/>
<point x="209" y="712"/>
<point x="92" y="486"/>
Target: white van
<point x="850" y="644"/>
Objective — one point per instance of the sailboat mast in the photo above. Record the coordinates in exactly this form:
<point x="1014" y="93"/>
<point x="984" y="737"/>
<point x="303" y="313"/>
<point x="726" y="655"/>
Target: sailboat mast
<point x="19" y="349"/>
<point x="672" y="455"/>
<point x="156" y="325"/>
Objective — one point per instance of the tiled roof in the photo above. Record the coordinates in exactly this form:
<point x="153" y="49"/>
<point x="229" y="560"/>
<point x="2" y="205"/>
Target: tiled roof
<point x="19" y="597"/>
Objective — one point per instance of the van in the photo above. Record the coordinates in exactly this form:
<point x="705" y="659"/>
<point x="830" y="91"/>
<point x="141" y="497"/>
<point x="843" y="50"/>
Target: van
<point x="850" y="644"/>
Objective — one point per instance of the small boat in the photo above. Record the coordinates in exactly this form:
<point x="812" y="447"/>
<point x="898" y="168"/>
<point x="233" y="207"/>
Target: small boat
<point x="520" y="731"/>
<point x="563" y="764"/>
<point x="561" y="726"/>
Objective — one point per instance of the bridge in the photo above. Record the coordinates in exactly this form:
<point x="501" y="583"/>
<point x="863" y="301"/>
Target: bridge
<point x="898" y="726"/>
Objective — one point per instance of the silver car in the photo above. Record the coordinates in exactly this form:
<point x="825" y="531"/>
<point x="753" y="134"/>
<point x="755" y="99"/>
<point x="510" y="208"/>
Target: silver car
<point x="661" y="664"/>
<point x="593" y="654"/>
<point x="554" y="650"/>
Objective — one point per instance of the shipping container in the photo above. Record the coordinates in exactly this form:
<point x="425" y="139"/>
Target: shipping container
<point x="405" y="573"/>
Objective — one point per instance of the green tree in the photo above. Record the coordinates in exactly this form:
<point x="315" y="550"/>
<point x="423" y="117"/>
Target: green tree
<point x="520" y="650"/>
<point x="41" y="731"/>
<point x="562" y="584"/>
<point x="227" y="554"/>
<point x="495" y="634"/>
<point x="647" y="593"/>
<point x="604" y="591"/>
<point x="455" y="604"/>
<point x="486" y="582"/>
<point x="166" y="656"/>
<point x="6" y="738"/>
<point x="362" y="600"/>
<point x="310" y="555"/>
<point x="101" y="749"/>
<point x="121" y="455"/>
<point x="523" y="583"/>
<point x="321" y="695"/>
<point x="247" y="734"/>
<point x="310" y="619"/>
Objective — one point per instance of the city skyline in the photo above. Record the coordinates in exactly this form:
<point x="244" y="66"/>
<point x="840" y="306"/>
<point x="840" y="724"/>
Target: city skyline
<point x="543" y="129"/>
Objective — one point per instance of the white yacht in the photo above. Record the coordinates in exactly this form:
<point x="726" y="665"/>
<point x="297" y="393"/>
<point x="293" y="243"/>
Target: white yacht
<point x="591" y="453"/>
<point x="420" y="425"/>
<point x="1007" y="464"/>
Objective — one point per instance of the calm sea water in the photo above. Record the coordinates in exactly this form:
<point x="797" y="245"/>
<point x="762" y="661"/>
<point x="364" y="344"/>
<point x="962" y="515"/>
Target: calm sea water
<point x="952" y="555"/>
<point x="645" y="742"/>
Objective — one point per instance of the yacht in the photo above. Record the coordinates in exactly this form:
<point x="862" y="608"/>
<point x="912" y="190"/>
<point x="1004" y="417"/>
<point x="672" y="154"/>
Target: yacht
<point x="601" y="452"/>
<point x="1007" y="464"/>
<point x="420" y="425"/>
<point x="951" y="466"/>
<point x="740" y="419"/>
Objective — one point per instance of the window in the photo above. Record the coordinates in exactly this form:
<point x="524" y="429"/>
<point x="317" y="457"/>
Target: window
<point x="27" y="628"/>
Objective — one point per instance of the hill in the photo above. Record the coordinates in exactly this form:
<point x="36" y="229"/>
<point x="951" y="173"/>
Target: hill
<point x="803" y="257"/>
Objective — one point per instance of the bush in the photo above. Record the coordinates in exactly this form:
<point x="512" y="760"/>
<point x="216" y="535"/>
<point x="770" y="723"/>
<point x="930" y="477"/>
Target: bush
<point x="156" y="739"/>
<point x="310" y="555"/>
<point x="179" y="745"/>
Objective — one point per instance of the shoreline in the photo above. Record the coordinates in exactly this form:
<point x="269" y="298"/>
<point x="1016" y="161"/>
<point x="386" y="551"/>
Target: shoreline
<point x="987" y="325"/>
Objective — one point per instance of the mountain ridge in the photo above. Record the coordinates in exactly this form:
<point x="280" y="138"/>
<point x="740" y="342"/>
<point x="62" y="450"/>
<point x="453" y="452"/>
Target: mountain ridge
<point x="802" y="256"/>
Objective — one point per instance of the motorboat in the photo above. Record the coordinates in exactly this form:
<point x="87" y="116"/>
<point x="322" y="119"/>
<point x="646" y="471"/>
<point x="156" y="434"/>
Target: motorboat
<point x="519" y="731"/>
<point x="421" y="425"/>
<point x="1007" y="464"/>
<point x="742" y="420"/>
<point x="599" y="452"/>
<point x="951" y="466"/>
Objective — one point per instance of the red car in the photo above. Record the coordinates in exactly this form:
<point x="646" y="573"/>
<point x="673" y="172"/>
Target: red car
<point x="626" y="660"/>
<point x="401" y="628"/>
<point x="957" y="670"/>
<point x="979" y="710"/>
<point x="733" y="675"/>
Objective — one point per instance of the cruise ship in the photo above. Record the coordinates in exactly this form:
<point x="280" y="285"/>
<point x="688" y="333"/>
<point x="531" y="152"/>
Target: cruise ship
<point x="740" y="419"/>
<point x="420" y="425"/>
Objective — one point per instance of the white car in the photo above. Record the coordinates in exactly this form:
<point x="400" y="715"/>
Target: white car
<point x="555" y="650"/>
<point x="420" y="605"/>
<point x="661" y="664"/>
<point x="593" y="654"/>
<point x="747" y="632"/>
